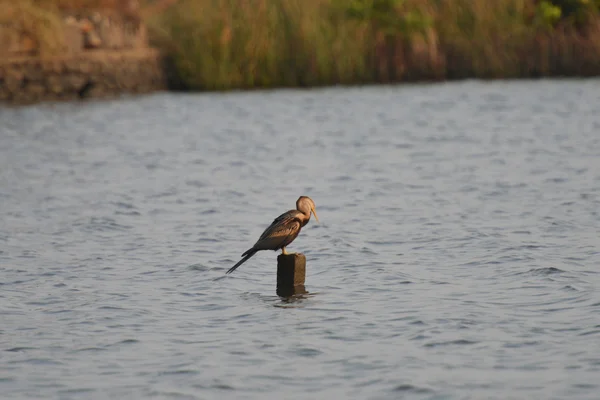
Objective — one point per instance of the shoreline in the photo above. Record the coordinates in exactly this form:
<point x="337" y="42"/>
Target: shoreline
<point x="94" y="74"/>
<point x="195" y="46"/>
<point x="108" y="91"/>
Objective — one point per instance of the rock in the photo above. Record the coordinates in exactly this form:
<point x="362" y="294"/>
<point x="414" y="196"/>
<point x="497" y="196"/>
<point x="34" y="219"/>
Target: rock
<point x="13" y="80"/>
<point x="79" y="75"/>
<point x="73" y="38"/>
<point x="54" y="85"/>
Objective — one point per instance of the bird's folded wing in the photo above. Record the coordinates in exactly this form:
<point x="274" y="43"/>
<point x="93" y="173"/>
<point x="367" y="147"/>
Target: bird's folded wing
<point x="279" y="223"/>
<point x="283" y="228"/>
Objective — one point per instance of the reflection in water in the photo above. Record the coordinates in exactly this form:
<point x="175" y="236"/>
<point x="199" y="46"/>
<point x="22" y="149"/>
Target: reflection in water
<point x="289" y="291"/>
<point x="291" y="297"/>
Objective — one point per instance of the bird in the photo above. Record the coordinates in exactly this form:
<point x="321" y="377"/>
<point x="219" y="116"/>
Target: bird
<point x="282" y="231"/>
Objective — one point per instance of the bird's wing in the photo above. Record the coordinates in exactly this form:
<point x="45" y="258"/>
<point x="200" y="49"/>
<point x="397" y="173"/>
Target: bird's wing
<point x="281" y="229"/>
<point x="278" y="223"/>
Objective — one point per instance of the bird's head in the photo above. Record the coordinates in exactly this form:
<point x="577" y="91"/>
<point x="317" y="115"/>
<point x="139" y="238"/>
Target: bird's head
<point x="307" y="206"/>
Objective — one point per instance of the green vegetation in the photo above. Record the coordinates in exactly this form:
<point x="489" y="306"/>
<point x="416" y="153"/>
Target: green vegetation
<point x="579" y="12"/>
<point x="225" y="44"/>
<point x="228" y="44"/>
<point x="222" y="44"/>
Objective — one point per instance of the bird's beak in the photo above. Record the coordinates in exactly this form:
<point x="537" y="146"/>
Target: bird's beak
<point x="315" y="213"/>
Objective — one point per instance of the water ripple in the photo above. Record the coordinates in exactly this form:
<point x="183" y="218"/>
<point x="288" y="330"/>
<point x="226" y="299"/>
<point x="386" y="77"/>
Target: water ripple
<point x="456" y="256"/>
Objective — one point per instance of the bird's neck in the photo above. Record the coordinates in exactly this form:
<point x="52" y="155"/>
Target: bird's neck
<point x="305" y="216"/>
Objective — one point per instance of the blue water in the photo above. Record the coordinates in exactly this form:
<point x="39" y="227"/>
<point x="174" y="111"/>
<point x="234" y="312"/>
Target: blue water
<point x="457" y="254"/>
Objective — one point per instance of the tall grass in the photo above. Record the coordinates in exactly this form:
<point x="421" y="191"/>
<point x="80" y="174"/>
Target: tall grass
<point x="82" y="4"/>
<point x="225" y="44"/>
<point x="40" y="24"/>
<point x="482" y="38"/>
<point x="222" y="44"/>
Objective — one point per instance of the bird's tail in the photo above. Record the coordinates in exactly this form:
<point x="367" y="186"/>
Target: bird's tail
<point x="249" y="253"/>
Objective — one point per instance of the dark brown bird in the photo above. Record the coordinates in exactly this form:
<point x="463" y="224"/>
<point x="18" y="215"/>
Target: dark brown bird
<point x="283" y="230"/>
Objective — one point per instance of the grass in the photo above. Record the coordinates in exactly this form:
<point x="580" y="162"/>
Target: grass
<point x="79" y="4"/>
<point x="40" y="24"/>
<point x="231" y="44"/>
<point x="222" y="44"/>
<point x="227" y="44"/>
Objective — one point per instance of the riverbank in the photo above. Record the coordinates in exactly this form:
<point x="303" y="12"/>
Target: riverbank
<point x="69" y="49"/>
<point x="63" y="50"/>
<point x="102" y="73"/>
<point x="228" y="44"/>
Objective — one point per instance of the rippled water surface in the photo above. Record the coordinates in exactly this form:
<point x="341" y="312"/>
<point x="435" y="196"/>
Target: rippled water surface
<point x="457" y="255"/>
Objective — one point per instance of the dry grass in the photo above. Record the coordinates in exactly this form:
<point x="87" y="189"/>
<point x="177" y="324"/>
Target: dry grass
<point x="37" y="26"/>
<point x="226" y="44"/>
<point x="42" y="25"/>
<point x="482" y="38"/>
<point x="82" y="4"/>
<point x="222" y="44"/>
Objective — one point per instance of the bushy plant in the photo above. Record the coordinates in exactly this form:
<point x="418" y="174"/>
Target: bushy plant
<point x="577" y="12"/>
<point x="547" y="15"/>
<point x="223" y="44"/>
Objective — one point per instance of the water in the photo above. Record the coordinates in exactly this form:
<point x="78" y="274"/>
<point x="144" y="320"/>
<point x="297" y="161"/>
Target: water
<point x="457" y="255"/>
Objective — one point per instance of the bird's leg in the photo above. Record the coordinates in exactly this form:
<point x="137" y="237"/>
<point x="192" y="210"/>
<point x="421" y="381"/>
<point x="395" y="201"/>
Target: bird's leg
<point x="285" y="253"/>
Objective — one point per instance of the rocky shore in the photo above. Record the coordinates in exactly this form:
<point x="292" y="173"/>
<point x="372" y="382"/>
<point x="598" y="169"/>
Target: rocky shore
<point x="95" y="53"/>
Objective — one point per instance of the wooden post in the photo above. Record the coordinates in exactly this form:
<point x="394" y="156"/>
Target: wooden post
<point x="291" y="272"/>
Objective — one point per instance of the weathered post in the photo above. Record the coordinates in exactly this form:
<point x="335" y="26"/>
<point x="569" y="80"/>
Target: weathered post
<point x="291" y="273"/>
